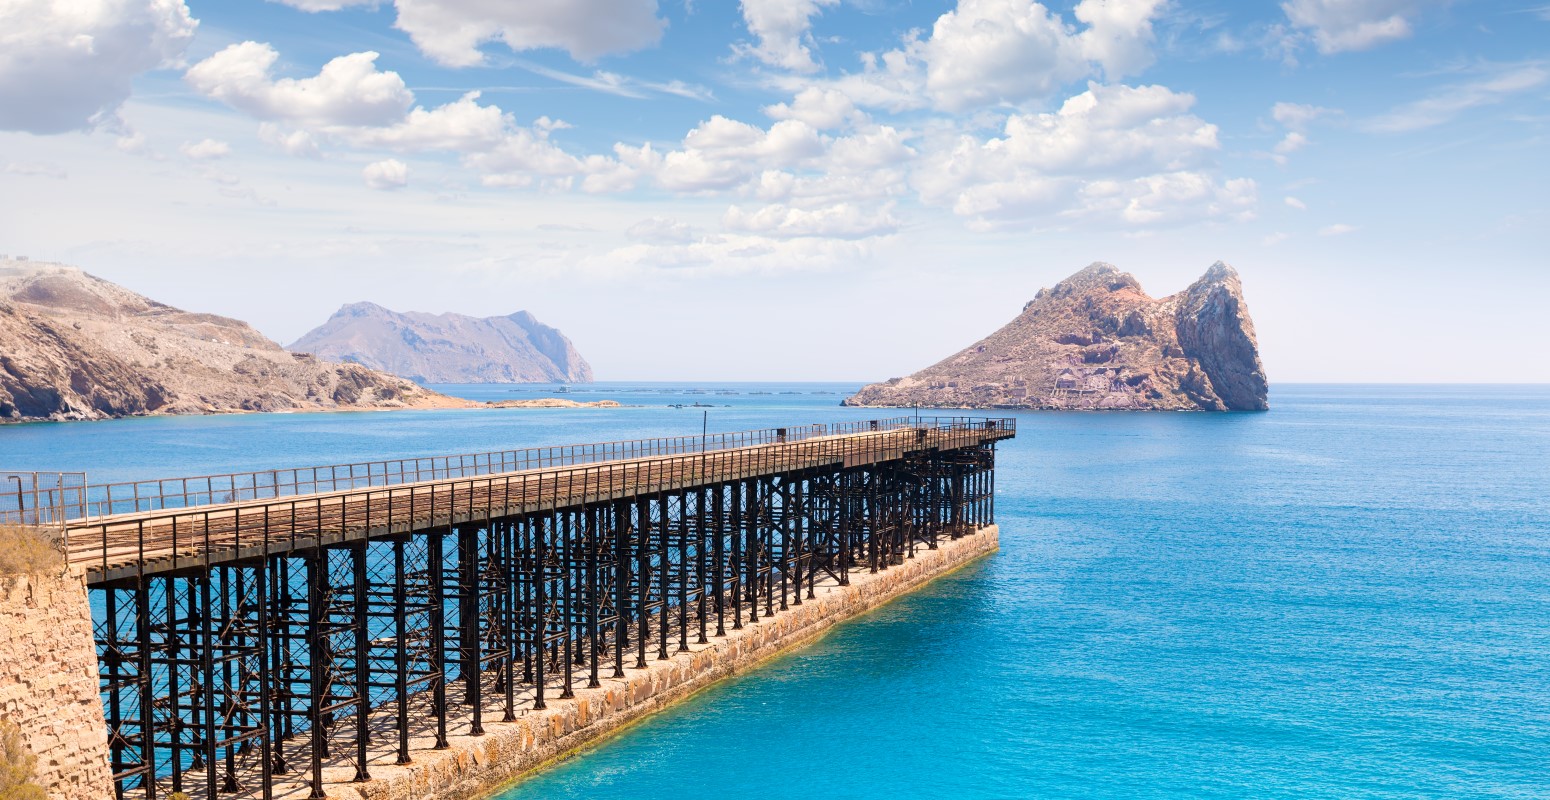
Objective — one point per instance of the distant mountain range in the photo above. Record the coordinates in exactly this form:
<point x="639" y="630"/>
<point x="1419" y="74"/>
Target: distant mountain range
<point x="1097" y="341"/>
<point x="447" y="348"/>
<point x="74" y="346"/>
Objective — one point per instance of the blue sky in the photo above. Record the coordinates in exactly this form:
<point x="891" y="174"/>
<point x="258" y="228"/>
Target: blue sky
<point x="791" y="189"/>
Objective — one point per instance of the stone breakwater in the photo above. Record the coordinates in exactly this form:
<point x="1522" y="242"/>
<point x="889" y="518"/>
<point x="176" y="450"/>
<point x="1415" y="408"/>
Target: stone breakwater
<point x="48" y="683"/>
<point x="476" y="767"/>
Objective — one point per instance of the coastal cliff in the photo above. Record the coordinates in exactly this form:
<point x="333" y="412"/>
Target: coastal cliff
<point x="447" y="348"/>
<point x="74" y="346"/>
<point x="1096" y="340"/>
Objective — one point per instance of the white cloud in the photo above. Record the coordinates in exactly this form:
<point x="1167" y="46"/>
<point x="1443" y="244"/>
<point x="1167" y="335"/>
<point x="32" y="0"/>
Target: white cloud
<point x="661" y="230"/>
<point x="722" y="153"/>
<point x="842" y="221"/>
<point x="1337" y="229"/>
<point x="1129" y="154"/>
<point x="206" y="149"/>
<point x="459" y="126"/>
<point x="1293" y="202"/>
<point x="64" y="66"/>
<point x="1119" y="34"/>
<point x="1291" y="143"/>
<point x="990" y="51"/>
<point x="349" y="90"/>
<point x="1166" y="198"/>
<point x="451" y="31"/>
<point x="1343" y="25"/>
<point x="1453" y="100"/>
<point x="1275" y="238"/>
<point x="821" y="108"/>
<point x="294" y="143"/>
<point x="324" y="5"/>
<point x="1298" y="117"/>
<point x="386" y="175"/>
<point x="781" y="26"/>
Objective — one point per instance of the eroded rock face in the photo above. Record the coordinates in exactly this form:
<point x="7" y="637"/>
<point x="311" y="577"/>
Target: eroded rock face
<point x="447" y="348"/>
<point x="1097" y="341"/>
<point x="73" y="346"/>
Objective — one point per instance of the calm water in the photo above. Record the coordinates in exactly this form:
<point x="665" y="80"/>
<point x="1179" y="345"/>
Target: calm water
<point x="1347" y="597"/>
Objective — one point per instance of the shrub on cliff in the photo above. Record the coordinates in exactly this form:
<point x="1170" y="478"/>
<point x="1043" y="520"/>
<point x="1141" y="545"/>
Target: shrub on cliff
<point x="16" y="766"/>
<point x="27" y="551"/>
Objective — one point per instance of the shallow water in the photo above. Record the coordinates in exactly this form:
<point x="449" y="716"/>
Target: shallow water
<point x="1348" y="596"/>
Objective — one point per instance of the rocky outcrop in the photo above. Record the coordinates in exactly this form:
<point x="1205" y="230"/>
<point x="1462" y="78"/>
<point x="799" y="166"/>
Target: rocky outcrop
<point x="1096" y="340"/>
<point x="447" y="348"/>
<point x="73" y="346"/>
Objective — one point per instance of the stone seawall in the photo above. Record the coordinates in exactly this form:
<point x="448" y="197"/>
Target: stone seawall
<point x="48" y="683"/>
<point x="476" y="767"/>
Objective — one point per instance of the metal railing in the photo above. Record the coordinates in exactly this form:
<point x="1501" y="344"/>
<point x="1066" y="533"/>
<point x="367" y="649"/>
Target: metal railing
<point x="128" y="497"/>
<point x="551" y="480"/>
<point x="42" y="498"/>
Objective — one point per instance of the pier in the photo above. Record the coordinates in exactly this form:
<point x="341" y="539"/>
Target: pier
<point x="285" y="633"/>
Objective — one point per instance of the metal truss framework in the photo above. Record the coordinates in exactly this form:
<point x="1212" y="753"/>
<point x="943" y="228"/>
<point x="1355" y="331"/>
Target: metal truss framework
<point x="231" y="678"/>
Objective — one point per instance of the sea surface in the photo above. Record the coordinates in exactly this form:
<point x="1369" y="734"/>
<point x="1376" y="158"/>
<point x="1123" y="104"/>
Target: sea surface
<point x="1345" y="597"/>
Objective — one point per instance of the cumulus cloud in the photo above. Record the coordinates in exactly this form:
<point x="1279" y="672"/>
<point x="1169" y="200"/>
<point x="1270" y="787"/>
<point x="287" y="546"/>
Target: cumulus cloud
<point x="1293" y="202"/>
<point x="1337" y="229"/>
<point x="989" y="52"/>
<point x="291" y="142"/>
<point x="1119" y="34"/>
<point x="1450" y="101"/>
<point x="451" y="31"/>
<point x="324" y="5"/>
<point x="723" y="153"/>
<point x="1343" y="25"/>
<point x="65" y="66"/>
<point x="460" y="126"/>
<point x="349" y="90"/>
<point x="386" y="175"/>
<point x="206" y="150"/>
<point x="781" y="27"/>
<point x="1130" y="154"/>
<point x="1291" y="143"/>
<point x="821" y="108"/>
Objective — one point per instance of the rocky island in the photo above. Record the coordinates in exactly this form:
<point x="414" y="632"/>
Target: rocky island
<point x="447" y="348"/>
<point x="1096" y="340"/>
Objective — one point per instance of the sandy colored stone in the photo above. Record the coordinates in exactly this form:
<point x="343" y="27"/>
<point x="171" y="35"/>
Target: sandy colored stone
<point x="1097" y="341"/>
<point x="48" y="683"/>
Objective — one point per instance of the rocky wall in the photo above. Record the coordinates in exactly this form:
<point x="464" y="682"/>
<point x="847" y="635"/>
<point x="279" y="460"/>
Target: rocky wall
<point x="48" y="683"/>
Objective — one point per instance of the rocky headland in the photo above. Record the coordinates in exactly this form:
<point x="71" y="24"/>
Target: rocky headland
<point x="447" y="348"/>
<point x="74" y="346"/>
<point x="1096" y="340"/>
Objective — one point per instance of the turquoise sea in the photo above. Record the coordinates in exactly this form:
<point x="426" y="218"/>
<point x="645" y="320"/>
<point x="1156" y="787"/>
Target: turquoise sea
<point x="1346" y="597"/>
